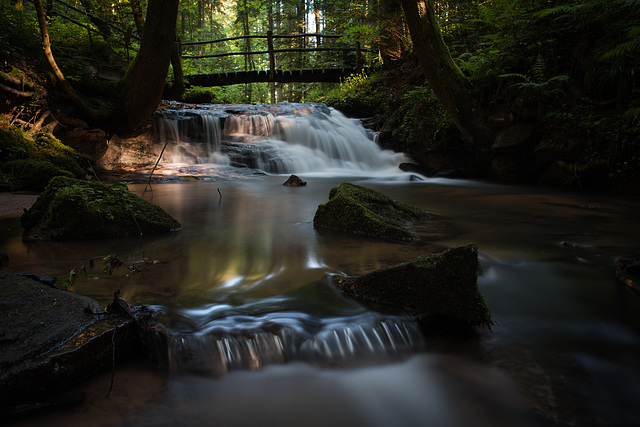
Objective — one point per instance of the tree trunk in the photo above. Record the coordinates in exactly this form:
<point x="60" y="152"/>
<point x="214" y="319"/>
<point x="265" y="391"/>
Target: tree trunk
<point x="140" y="91"/>
<point x="85" y="110"/>
<point x="177" y="89"/>
<point x="92" y="13"/>
<point x="391" y="33"/>
<point x="445" y="78"/>
<point x="138" y="16"/>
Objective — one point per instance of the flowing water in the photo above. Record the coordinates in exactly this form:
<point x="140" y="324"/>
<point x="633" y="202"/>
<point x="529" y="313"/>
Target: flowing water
<point x="257" y="336"/>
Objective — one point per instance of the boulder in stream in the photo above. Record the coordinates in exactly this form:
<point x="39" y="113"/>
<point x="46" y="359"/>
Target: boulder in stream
<point x="295" y="181"/>
<point x="360" y="210"/>
<point x="50" y="339"/>
<point x="439" y="290"/>
<point x="75" y="209"/>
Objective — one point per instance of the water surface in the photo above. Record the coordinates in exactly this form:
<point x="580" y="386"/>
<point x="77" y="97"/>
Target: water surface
<point x="250" y="262"/>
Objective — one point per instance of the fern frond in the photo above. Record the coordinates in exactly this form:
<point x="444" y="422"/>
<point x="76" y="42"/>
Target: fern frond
<point x="517" y="75"/>
<point x="622" y="49"/>
<point x="559" y="10"/>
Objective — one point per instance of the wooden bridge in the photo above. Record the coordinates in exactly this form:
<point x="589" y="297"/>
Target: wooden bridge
<point x="332" y="74"/>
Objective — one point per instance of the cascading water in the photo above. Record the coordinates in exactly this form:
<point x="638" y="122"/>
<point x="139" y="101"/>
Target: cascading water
<point x="277" y="139"/>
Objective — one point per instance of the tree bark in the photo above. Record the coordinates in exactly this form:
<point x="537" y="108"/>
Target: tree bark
<point x="140" y="91"/>
<point x="391" y="33"/>
<point x="445" y="78"/>
<point x="138" y="16"/>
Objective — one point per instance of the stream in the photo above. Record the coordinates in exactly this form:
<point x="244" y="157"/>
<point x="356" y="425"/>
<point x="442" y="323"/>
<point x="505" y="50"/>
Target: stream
<point x="257" y="336"/>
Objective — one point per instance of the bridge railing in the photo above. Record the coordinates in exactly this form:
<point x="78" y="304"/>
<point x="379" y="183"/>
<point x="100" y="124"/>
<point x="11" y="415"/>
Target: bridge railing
<point x="272" y="51"/>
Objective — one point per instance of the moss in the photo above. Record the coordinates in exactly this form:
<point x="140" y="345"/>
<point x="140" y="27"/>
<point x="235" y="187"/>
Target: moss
<point x="431" y="287"/>
<point x="360" y="210"/>
<point x="31" y="174"/>
<point x="74" y="209"/>
<point x="29" y="162"/>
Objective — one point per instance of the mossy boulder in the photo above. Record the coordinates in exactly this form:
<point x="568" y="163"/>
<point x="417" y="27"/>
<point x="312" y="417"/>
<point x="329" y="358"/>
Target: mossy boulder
<point x="74" y="209"/>
<point x="28" y="162"/>
<point x="361" y="210"/>
<point x="31" y="174"/>
<point x="440" y="290"/>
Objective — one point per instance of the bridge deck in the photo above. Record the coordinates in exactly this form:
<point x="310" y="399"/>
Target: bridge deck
<point x="330" y="75"/>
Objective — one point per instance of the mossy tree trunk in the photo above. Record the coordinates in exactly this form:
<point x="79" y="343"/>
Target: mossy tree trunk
<point x="445" y="78"/>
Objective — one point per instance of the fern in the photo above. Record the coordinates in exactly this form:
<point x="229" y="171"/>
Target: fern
<point x="626" y="47"/>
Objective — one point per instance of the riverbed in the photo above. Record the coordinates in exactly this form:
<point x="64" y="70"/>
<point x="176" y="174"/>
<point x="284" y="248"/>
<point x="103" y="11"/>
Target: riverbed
<point x="564" y="350"/>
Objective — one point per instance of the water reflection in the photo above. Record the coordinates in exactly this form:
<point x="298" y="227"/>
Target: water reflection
<point x="250" y="268"/>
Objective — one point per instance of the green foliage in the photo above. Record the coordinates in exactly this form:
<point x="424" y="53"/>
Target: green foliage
<point x="110" y="264"/>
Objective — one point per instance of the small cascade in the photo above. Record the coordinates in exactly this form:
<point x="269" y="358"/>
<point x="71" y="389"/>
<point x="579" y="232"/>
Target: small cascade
<point x="251" y="342"/>
<point x="279" y="139"/>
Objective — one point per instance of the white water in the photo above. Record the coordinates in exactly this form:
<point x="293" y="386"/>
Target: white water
<point x="276" y="139"/>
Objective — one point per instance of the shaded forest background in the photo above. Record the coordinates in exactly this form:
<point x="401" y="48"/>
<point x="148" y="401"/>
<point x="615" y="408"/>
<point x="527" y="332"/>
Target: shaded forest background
<point x="557" y="81"/>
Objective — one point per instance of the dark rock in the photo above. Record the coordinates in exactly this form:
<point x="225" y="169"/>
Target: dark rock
<point x="63" y="338"/>
<point x="514" y="139"/>
<point x="421" y="169"/>
<point x="74" y="209"/>
<point x="295" y="181"/>
<point x="4" y="258"/>
<point x="628" y="272"/>
<point x="439" y="289"/>
<point x="576" y="175"/>
<point x="79" y="135"/>
<point x="360" y="210"/>
<point x="512" y="152"/>
<point x="45" y="279"/>
<point x="451" y="173"/>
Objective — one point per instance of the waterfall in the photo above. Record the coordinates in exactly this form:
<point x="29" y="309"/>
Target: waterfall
<point x="278" y="139"/>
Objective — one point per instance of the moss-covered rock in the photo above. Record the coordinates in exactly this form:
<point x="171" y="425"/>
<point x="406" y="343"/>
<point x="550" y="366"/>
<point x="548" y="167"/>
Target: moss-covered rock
<point x="439" y="289"/>
<point x="28" y="162"/>
<point x="360" y="210"/>
<point x="75" y="209"/>
<point x="31" y="174"/>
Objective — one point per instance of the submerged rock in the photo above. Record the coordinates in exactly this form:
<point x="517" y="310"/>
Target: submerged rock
<point x="295" y="181"/>
<point x="440" y="290"/>
<point x="51" y="339"/>
<point x="360" y="210"/>
<point x="75" y="209"/>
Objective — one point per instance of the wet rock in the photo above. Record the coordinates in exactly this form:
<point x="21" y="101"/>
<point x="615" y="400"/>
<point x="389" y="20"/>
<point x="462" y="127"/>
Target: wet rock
<point x="512" y="152"/>
<point x="593" y="174"/>
<point x="45" y="279"/>
<point x="51" y="339"/>
<point x="628" y="272"/>
<point x="440" y="290"/>
<point x="360" y="210"/>
<point x="74" y="209"/>
<point x="295" y="181"/>
<point x="415" y="168"/>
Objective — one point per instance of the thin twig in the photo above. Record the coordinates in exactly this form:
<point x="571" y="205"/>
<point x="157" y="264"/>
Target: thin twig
<point x="113" y="360"/>
<point x="154" y="168"/>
